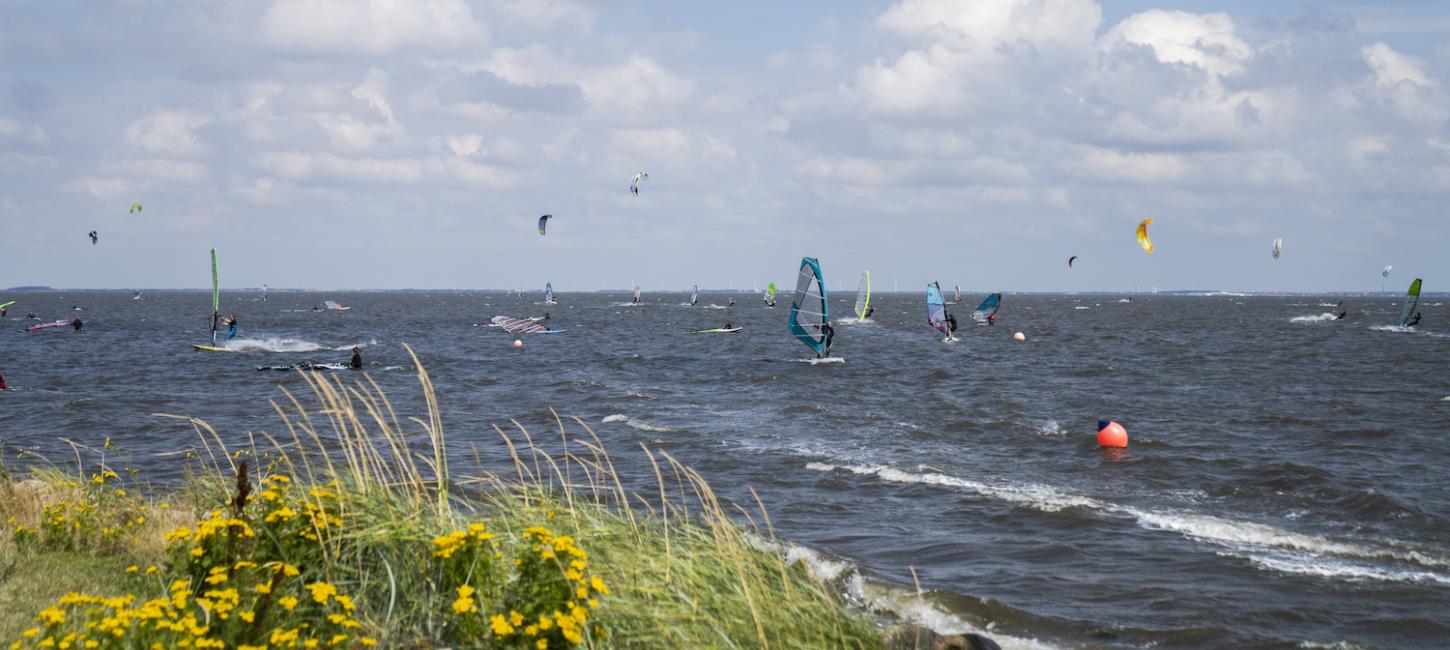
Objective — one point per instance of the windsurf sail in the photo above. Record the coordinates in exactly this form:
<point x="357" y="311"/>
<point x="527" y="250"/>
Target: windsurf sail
<point x="264" y="293"/>
<point x="549" y="293"/>
<point x="957" y="294"/>
<point x="808" y="310"/>
<point x="51" y="325"/>
<point x="936" y="310"/>
<point x="636" y="293"/>
<point x="6" y="304"/>
<point x="863" y="295"/>
<point x="334" y="306"/>
<point x="695" y="295"/>
<point x="1412" y="300"/>
<point x="988" y="308"/>
<point x="514" y="325"/>
<point x="216" y="299"/>
<point x="770" y="295"/>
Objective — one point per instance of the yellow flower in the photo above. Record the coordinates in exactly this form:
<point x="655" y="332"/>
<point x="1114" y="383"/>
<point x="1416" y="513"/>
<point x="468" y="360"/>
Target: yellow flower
<point x="500" y="626"/>
<point x="542" y="644"/>
<point x="321" y="591"/>
<point x="516" y="618"/>
<point x="247" y="616"/>
<point x="368" y="641"/>
<point x="598" y="585"/>
<point x="132" y="569"/>
<point x="151" y="569"/>
<point x="287" y="603"/>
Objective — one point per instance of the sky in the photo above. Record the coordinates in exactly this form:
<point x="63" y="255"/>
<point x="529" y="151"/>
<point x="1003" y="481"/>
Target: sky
<point x="414" y="143"/>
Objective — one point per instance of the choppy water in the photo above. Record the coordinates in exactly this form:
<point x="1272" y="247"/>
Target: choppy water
<point x="1285" y="486"/>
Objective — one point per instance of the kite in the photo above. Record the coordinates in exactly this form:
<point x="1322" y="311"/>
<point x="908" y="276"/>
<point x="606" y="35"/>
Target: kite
<point x="1143" y="241"/>
<point x="135" y="207"/>
<point x="634" y="184"/>
<point x="1070" y="260"/>
<point x="542" y="220"/>
<point x="1278" y="247"/>
<point x="1386" y="273"/>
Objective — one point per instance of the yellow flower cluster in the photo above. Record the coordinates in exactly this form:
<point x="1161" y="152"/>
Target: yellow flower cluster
<point x="451" y="543"/>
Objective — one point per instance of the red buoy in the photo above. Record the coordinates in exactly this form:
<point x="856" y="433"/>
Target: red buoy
<point x="1111" y="434"/>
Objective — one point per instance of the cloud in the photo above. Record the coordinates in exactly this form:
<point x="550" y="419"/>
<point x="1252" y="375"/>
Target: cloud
<point x="171" y="133"/>
<point x="369" y="27"/>
<point x="1391" y="68"/>
<point x="1205" y="41"/>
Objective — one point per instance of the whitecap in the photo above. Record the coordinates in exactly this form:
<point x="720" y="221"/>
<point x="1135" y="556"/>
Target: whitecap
<point x="636" y="424"/>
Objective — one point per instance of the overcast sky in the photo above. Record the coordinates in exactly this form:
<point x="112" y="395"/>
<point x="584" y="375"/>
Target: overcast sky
<point x="414" y="143"/>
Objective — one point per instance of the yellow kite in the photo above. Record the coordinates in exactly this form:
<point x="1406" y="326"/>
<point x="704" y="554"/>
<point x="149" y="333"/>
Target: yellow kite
<point x="1143" y="241"/>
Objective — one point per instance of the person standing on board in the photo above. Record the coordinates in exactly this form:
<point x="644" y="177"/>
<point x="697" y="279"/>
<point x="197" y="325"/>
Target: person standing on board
<point x="231" y="326"/>
<point x="830" y="333"/>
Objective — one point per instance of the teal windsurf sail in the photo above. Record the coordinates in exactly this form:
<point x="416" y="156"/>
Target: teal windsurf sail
<point x="936" y="310"/>
<point x="863" y="295"/>
<point x="216" y="299"/>
<point x="808" y="309"/>
<point x="988" y="308"/>
<point x="1412" y="300"/>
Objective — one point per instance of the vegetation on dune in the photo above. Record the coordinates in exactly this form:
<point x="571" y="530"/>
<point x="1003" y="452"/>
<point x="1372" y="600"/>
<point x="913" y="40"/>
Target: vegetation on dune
<point x="352" y="531"/>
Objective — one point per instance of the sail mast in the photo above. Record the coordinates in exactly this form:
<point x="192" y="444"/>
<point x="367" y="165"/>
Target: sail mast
<point x="216" y="298"/>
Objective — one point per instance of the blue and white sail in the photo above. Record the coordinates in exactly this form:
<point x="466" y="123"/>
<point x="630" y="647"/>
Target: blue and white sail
<point x="1412" y="300"/>
<point x="695" y="295"/>
<point x="549" y="294"/>
<point x="936" y="310"/>
<point x="988" y="308"/>
<point x="809" y="312"/>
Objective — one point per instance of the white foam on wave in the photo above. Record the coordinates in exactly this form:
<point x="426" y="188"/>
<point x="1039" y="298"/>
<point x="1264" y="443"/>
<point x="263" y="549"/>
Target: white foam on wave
<point x="1052" y="429"/>
<point x="852" y="320"/>
<point x="816" y="362"/>
<point x="1265" y="546"/>
<point x="1326" y="316"/>
<point x="282" y="344"/>
<point x="636" y="424"/>
<point x="1081" y="307"/>
<point x="876" y="597"/>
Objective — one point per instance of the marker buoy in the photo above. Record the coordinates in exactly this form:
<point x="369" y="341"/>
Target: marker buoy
<point x="518" y="343"/>
<point x="1019" y="337"/>
<point x="1111" y="434"/>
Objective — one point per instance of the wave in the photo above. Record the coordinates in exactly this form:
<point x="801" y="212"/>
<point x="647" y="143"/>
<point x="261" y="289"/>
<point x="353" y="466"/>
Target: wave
<point x="636" y="424"/>
<point x="1081" y="307"/>
<point x="279" y="344"/>
<point x="1052" y="429"/>
<point x="878" y="597"/>
<point x="1263" y="545"/>
<point x="1326" y="316"/>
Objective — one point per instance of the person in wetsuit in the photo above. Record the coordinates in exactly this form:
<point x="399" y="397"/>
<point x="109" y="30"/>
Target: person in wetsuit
<point x="830" y="336"/>
<point x="231" y="326"/>
<point x="77" y="324"/>
<point x="356" y="363"/>
<point x="870" y="309"/>
<point x="1415" y="320"/>
<point x="1342" y="313"/>
<point x="952" y="323"/>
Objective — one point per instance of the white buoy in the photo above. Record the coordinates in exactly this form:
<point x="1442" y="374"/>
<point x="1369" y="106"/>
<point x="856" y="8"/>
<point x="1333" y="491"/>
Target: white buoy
<point x="518" y="343"/>
<point x="1019" y="337"/>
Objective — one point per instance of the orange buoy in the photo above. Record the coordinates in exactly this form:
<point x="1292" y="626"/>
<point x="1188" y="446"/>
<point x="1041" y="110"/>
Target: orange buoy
<point x="1111" y="434"/>
<point x="518" y="343"/>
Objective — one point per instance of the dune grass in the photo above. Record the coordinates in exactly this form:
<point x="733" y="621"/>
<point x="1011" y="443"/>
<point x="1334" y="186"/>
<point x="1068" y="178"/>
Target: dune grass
<point x="548" y="551"/>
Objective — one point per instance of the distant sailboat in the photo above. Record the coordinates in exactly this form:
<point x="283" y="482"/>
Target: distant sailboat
<point x="809" y="313"/>
<point x="863" y="296"/>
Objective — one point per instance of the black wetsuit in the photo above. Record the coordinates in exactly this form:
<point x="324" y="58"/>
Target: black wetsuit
<point x="77" y="324"/>
<point x="830" y="336"/>
<point x="356" y="363"/>
<point x="1413" y="321"/>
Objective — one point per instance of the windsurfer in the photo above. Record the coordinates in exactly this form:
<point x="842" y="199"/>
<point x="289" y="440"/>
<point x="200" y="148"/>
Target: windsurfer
<point x="952" y="323"/>
<point x="830" y="332"/>
<point x="1415" y="320"/>
<point x="356" y="363"/>
<point x="1342" y="313"/>
<point x="870" y="309"/>
<point x="231" y="326"/>
<point x="2" y="382"/>
<point x="729" y="324"/>
<point x="77" y="324"/>
<point x="992" y="319"/>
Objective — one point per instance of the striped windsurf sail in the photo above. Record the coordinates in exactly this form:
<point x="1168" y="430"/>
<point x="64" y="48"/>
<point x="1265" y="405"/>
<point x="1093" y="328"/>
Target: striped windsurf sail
<point x="1412" y="300"/>
<point x="808" y="311"/>
<point x="988" y="308"/>
<point x="695" y="294"/>
<point x="936" y="309"/>
<point x="216" y="299"/>
<point x="549" y="293"/>
<point x="514" y="325"/>
<point x="863" y="295"/>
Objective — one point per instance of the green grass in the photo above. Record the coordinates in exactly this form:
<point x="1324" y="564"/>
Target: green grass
<point x="681" y="567"/>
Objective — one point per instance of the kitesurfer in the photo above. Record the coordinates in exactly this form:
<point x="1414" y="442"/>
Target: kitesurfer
<point x="231" y="326"/>
<point x="356" y="363"/>
<point x="732" y="303"/>
<point x="1342" y="313"/>
<point x="77" y="324"/>
<point x="830" y="333"/>
<point x="1415" y="320"/>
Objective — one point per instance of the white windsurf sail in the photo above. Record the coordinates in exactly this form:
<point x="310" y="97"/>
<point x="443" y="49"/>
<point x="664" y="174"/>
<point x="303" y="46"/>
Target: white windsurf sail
<point x="695" y="295"/>
<point x="809" y="314"/>
<point x="549" y="293"/>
